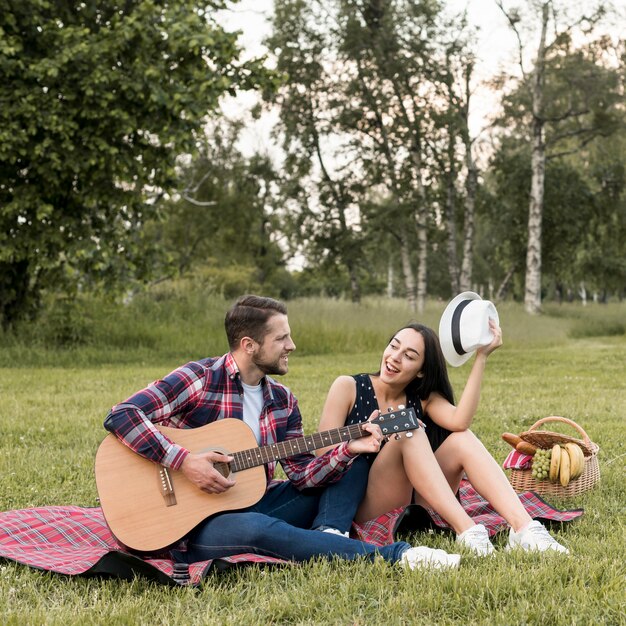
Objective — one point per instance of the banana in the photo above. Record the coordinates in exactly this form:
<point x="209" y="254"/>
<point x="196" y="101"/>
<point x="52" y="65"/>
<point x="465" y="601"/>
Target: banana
<point x="581" y="456"/>
<point x="555" y="462"/>
<point x="577" y="460"/>
<point x="573" y="460"/>
<point x="564" y="472"/>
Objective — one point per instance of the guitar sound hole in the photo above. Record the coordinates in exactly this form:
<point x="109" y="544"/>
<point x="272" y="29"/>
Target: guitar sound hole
<point x="223" y="469"/>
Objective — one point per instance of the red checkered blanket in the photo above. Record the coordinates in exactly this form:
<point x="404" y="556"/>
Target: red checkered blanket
<point x="76" y="540"/>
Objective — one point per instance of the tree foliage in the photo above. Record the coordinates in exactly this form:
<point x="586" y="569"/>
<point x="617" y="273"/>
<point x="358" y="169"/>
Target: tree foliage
<point x="584" y="219"/>
<point x="224" y="216"/>
<point x="368" y="90"/>
<point x="320" y="187"/>
<point x="98" y="100"/>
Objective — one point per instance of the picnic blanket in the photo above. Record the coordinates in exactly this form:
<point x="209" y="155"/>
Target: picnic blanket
<point x="76" y="540"/>
<point x="517" y="460"/>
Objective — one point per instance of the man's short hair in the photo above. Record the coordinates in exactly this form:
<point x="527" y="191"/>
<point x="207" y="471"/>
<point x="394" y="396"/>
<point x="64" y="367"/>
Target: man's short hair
<point x="248" y="318"/>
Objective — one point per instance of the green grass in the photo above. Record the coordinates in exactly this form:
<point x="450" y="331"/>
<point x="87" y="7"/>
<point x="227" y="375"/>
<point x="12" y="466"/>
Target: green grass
<point x="54" y="401"/>
<point x="172" y="325"/>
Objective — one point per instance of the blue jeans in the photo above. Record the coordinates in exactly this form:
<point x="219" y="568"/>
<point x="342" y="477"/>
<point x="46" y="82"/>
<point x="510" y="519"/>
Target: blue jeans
<point x="339" y="502"/>
<point x="278" y="526"/>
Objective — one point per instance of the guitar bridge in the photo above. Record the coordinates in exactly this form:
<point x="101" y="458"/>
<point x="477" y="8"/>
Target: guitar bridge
<point x="165" y="484"/>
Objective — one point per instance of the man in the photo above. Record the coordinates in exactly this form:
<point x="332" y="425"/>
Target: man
<point x="238" y="385"/>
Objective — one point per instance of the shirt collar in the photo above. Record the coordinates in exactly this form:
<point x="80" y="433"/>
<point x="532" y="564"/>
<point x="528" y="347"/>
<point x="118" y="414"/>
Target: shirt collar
<point x="230" y="365"/>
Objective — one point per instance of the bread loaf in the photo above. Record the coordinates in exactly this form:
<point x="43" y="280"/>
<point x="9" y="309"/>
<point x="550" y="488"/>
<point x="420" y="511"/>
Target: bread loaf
<point x="511" y="439"/>
<point x="526" y="448"/>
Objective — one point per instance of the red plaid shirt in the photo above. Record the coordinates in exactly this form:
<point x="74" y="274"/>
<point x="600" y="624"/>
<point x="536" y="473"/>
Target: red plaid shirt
<point x="202" y="392"/>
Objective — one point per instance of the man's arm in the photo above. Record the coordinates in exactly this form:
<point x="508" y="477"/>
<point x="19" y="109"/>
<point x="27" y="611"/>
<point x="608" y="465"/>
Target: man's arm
<point x="133" y="423"/>
<point x="307" y="470"/>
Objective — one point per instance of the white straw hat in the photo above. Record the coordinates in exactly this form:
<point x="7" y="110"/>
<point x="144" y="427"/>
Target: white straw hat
<point x="464" y="327"/>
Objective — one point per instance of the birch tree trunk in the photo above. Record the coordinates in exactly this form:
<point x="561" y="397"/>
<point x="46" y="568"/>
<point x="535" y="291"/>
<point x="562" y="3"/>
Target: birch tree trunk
<point x="390" y="279"/>
<point x="471" y="186"/>
<point x="422" y="259"/>
<point x="532" y="294"/>
<point x="355" y="286"/>
<point x="407" y="272"/>
<point x="421" y="225"/>
<point x="504" y="285"/>
<point x="453" y="266"/>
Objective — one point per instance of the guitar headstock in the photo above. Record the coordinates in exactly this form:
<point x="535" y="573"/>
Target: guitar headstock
<point x="394" y="422"/>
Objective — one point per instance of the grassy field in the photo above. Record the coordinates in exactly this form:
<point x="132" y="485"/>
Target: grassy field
<point x="570" y="362"/>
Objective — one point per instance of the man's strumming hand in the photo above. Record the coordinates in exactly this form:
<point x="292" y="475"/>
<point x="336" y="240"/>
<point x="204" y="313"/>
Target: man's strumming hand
<point x="199" y="469"/>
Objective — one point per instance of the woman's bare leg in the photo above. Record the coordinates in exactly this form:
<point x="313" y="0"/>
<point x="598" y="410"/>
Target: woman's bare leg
<point x="403" y="465"/>
<point x="463" y="452"/>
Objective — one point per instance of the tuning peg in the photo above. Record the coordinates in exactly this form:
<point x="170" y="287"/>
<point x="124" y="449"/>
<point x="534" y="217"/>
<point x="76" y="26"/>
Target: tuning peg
<point x="397" y="436"/>
<point x="400" y="407"/>
<point x="409" y="434"/>
<point x="389" y="409"/>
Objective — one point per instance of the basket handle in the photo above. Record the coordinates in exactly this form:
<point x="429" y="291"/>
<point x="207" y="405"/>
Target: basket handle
<point x="564" y="420"/>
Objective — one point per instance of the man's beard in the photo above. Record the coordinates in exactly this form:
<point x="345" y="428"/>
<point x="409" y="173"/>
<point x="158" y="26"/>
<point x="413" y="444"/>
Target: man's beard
<point x="276" y="367"/>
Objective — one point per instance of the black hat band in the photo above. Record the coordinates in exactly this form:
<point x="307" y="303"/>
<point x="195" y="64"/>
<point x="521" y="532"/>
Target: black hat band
<point x="456" y="327"/>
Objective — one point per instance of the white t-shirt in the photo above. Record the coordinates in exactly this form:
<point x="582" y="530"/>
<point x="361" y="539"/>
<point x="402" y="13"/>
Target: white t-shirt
<point x="252" y="407"/>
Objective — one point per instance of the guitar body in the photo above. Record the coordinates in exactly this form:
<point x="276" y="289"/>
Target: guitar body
<point x="145" y="516"/>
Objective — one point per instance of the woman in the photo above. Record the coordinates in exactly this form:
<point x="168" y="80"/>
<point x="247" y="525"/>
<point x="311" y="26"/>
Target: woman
<point x="426" y="468"/>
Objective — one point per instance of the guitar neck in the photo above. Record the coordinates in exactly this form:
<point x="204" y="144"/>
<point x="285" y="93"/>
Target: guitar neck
<point x="253" y="457"/>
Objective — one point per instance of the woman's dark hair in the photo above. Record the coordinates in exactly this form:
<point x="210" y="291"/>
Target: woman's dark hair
<point x="434" y="371"/>
<point x="249" y="316"/>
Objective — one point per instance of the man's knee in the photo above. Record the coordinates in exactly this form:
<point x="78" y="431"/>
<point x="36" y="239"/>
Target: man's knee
<point x="235" y="528"/>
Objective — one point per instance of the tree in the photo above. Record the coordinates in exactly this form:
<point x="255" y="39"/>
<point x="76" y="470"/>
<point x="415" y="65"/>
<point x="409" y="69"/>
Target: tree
<point x="452" y="146"/>
<point x="560" y="103"/>
<point x="98" y="100"/>
<point x="359" y="102"/>
<point x="584" y="219"/>
<point x="224" y="214"/>
<point x="318" y="185"/>
<point x="600" y="259"/>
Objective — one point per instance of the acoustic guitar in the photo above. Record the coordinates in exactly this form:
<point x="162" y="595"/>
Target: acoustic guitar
<point x="149" y="507"/>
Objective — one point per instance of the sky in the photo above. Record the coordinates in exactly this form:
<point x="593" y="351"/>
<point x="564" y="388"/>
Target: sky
<point x="250" y="16"/>
<point x="495" y="44"/>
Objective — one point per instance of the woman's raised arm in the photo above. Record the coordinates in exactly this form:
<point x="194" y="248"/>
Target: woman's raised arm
<point x="459" y="417"/>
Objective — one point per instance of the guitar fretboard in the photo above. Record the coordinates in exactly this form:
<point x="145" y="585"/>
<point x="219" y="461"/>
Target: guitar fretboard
<point x="253" y="457"/>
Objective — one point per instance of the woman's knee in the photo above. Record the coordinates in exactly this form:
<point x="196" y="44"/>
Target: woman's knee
<point x="462" y="446"/>
<point x="461" y="440"/>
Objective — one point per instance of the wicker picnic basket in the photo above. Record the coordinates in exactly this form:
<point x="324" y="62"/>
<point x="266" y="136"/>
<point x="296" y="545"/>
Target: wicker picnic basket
<point x="522" y="479"/>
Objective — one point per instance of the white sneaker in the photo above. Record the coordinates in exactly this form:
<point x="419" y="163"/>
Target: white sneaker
<point x="335" y="531"/>
<point x="535" y="537"/>
<point x="422" y="556"/>
<point x="476" y="539"/>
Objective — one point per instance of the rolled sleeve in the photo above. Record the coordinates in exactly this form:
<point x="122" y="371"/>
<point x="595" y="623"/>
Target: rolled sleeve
<point x="174" y="456"/>
<point x="341" y="456"/>
<point x="307" y="470"/>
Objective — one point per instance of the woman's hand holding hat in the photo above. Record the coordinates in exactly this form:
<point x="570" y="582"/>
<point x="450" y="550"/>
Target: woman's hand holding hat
<point x="496" y="342"/>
